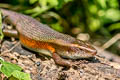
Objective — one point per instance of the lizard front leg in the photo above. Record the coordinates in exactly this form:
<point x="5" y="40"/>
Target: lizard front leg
<point x="58" y="60"/>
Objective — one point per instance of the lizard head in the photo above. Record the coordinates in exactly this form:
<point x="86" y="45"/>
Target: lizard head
<point x="79" y="49"/>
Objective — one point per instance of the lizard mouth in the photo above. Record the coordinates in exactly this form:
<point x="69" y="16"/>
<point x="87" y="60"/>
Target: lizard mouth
<point x="92" y="52"/>
<point x="78" y="54"/>
<point x="83" y="53"/>
<point x="86" y="48"/>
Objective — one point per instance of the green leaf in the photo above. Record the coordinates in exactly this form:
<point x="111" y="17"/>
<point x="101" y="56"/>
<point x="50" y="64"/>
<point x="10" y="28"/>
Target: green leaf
<point x="53" y="2"/>
<point x="7" y="68"/>
<point x="113" y="14"/>
<point x="57" y="27"/>
<point x="21" y="75"/>
<point x="114" y="26"/>
<point x="1" y="33"/>
<point x="32" y="1"/>
<point x="93" y="9"/>
<point x="102" y="3"/>
<point x="61" y="3"/>
<point x="1" y="59"/>
<point x="113" y="3"/>
<point x="94" y="24"/>
<point x="13" y="78"/>
<point x="67" y="1"/>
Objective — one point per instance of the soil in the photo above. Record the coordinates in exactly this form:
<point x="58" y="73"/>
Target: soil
<point x="44" y="68"/>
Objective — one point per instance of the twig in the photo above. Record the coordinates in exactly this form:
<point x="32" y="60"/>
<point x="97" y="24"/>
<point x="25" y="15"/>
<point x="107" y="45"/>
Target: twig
<point x="10" y="48"/>
<point x="2" y="76"/>
<point x="111" y="41"/>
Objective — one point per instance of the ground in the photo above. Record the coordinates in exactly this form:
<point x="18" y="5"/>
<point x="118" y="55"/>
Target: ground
<point x="44" y="68"/>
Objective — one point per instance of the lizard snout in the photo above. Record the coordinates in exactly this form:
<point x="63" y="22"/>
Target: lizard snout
<point x="85" y="49"/>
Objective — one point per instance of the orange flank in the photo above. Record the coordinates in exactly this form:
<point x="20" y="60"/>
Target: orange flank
<point x="31" y="43"/>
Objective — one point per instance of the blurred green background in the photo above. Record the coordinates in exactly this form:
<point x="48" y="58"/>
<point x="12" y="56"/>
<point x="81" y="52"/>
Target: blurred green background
<point x="99" y="18"/>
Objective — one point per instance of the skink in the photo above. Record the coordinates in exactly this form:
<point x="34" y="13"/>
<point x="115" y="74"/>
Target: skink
<point x="44" y="40"/>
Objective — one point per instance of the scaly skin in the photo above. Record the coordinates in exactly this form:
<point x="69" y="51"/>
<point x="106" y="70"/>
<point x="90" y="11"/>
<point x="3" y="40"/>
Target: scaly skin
<point x="41" y="38"/>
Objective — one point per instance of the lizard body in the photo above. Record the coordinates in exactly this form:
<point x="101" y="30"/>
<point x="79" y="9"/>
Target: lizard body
<point x="41" y="38"/>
